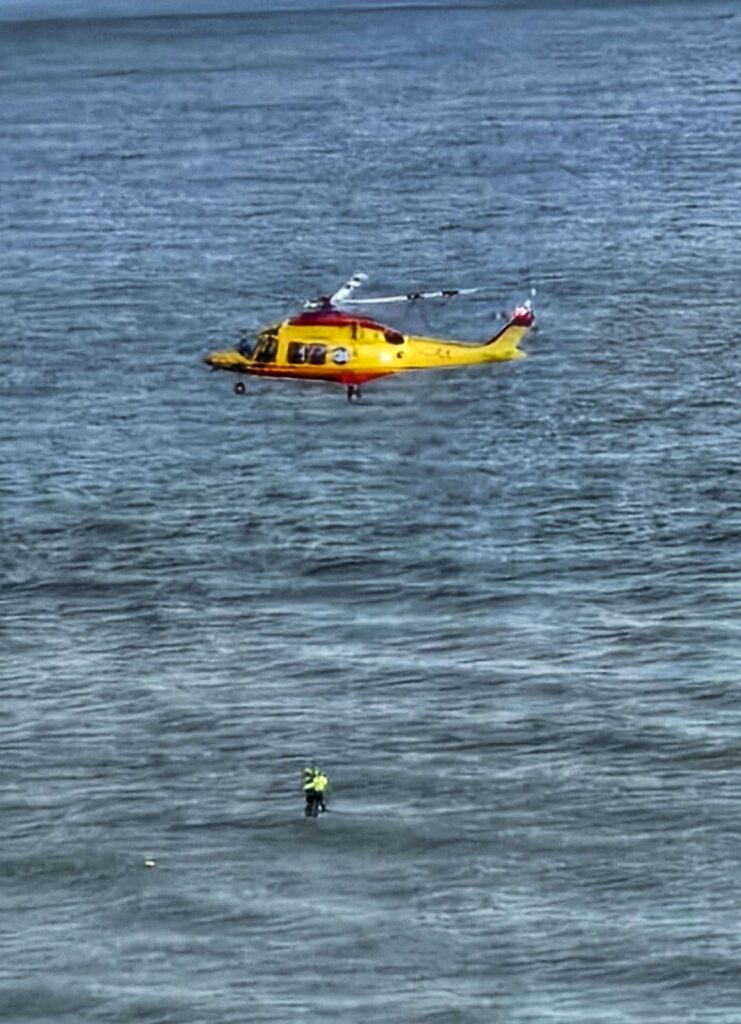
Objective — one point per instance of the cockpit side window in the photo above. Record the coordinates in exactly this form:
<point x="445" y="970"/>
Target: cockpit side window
<point x="267" y="347"/>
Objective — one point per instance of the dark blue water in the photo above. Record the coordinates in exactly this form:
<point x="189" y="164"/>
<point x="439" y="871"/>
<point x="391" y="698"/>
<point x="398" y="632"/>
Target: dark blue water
<point x="500" y="606"/>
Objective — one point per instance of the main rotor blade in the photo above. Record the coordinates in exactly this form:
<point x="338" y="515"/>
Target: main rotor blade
<point x="442" y="293"/>
<point x="348" y="288"/>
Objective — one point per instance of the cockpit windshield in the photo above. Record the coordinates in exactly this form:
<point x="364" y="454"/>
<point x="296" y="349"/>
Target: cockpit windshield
<point x="246" y="346"/>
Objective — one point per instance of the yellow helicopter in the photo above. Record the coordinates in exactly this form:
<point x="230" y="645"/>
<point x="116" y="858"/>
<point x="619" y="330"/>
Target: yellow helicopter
<point x="328" y="342"/>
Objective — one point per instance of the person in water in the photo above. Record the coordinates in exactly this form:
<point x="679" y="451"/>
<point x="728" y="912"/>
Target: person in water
<point x="309" y="773"/>
<point x="320" y="789"/>
<point x="315" y="789"/>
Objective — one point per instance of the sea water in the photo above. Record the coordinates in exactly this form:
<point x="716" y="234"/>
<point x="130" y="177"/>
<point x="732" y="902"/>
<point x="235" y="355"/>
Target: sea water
<point x="499" y="605"/>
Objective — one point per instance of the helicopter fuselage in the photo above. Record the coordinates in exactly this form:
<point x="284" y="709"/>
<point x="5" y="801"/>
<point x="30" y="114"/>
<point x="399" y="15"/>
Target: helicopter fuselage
<point x="333" y="345"/>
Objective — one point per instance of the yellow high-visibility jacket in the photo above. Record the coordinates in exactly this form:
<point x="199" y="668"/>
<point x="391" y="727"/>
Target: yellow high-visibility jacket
<point x="320" y="783"/>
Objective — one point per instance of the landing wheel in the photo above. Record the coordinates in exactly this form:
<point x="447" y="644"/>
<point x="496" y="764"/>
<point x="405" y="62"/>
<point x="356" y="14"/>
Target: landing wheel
<point x="353" y="391"/>
<point x="239" y="388"/>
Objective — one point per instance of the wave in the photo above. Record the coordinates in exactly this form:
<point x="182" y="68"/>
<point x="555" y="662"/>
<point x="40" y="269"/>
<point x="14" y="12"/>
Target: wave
<point x="43" y="10"/>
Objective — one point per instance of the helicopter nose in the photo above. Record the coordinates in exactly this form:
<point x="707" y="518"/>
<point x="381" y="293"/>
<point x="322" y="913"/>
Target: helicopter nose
<point x="216" y="360"/>
<point x="229" y="359"/>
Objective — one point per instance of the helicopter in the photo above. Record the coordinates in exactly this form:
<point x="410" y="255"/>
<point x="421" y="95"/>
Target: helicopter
<point x="328" y="341"/>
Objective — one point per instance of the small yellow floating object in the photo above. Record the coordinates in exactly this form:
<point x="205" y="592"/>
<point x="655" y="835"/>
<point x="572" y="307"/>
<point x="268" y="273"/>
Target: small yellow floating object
<point x="150" y="862"/>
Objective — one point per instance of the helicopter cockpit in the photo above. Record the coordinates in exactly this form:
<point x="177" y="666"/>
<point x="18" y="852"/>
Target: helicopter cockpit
<point x="267" y="346"/>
